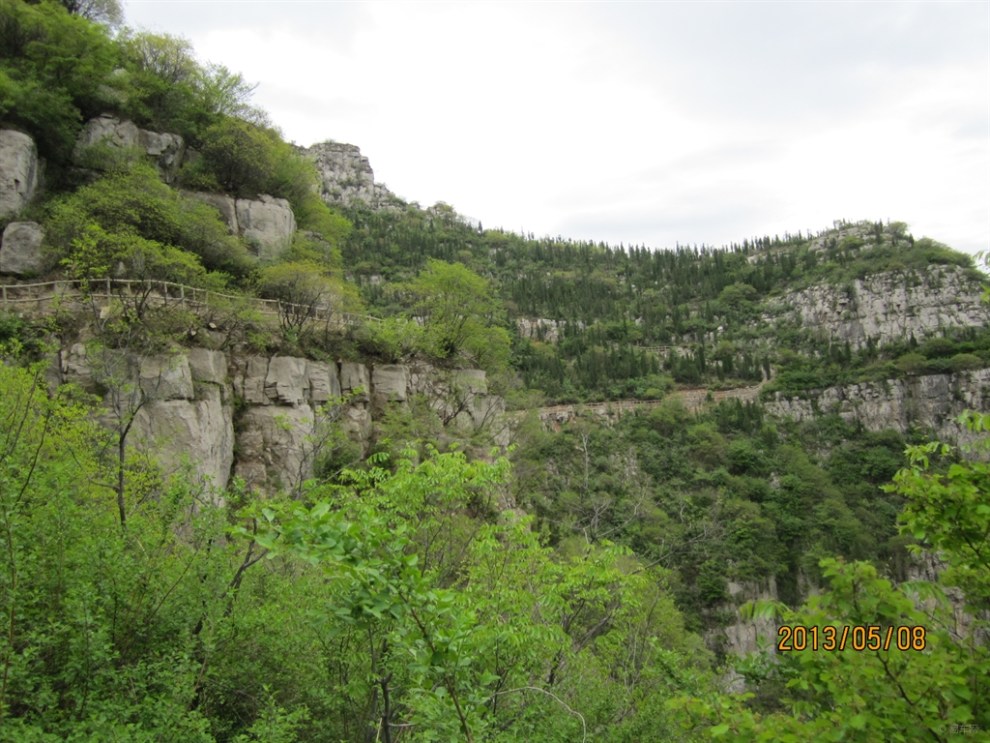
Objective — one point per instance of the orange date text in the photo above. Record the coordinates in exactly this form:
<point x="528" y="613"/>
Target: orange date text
<point x="859" y="637"/>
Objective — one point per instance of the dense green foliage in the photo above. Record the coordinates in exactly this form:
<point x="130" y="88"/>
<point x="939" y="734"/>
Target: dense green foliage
<point x="726" y="496"/>
<point x="937" y="689"/>
<point x="386" y="600"/>
<point x="625" y="318"/>
<point x="398" y="602"/>
<point x="570" y="588"/>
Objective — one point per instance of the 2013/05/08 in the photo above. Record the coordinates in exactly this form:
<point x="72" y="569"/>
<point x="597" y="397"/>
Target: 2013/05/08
<point x="856" y="637"/>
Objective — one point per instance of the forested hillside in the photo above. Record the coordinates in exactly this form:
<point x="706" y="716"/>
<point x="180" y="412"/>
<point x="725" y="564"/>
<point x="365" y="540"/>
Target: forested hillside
<point x="404" y="509"/>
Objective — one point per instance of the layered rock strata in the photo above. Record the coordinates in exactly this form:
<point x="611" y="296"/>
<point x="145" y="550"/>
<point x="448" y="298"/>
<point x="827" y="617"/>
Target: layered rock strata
<point x="265" y="419"/>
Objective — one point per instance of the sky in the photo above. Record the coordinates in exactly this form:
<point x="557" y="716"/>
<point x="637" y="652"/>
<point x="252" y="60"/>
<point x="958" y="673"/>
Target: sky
<point x="640" y="123"/>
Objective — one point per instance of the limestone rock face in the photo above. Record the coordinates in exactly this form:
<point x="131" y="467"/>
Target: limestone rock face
<point x="743" y="637"/>
<point x="356" y="422"/>
<point x="19" y="171"/>
<point x="249" y="379"/>
<point x="934" y="400"/>
<point x="346" y="177"/>
<point x="223" y="203"/>
<point x="286" y="382"/>
<point x="354" y="380"/>
<point x="20" y="249"/>
<point x="187" y="420"/>
<point x="267" y="223"/>
<point x="186" y="413"/>
<point x="539" y="328"/>
<point x="197" y="433"/>
<point x="207" y="366"/>
<point x="164" y="149"/>
<point x="890" y="306"/>
<point x="324" y="382"/>
<point x="183" y="417"/>
<point x="166" y="378"/>
<point x="390" y="383"/>
<point x="274" y="446"/>
<point x="73" y="366"/>
<point x="107" y="130"/>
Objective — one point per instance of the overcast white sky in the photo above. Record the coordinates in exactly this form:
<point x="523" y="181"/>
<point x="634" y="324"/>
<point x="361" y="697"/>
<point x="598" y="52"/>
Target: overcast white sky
<point x="639" y="123"/>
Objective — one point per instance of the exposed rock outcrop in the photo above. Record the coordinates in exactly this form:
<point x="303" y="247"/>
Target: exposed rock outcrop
<point x="286" y="408"/>
<point x="390" y="383"/>
<point x="166" y="150"/>
<point x="889" y="307"/>
<point x="934" y="400"/>
<point x="266" y="223"/>
<point x="745" y="636"/>
<point x="274" y="444"/>
<point x="19" y="171"/>
<point x="539" y="328"/>
<point x="346" y="177"/>
<point x="181" y="406"/>
<point x="187" y="420"/>
<point x="226" y="205"/>
<point x="20" y="249"/>
<point x="196" y="433"/>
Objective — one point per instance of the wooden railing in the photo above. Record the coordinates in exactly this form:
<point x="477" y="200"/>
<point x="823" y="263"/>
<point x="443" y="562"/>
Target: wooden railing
<point x="13" y="296"/>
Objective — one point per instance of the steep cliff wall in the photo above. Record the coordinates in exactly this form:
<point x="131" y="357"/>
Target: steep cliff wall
<point x="346" y="177"/>
<point x="267" y="419"/>
<point x="888" y="307"/>
<point x="932" y="401"/>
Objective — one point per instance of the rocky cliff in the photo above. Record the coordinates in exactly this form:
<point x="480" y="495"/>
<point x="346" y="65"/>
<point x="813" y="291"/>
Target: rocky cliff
<point x="932" y="401"/>
<point x="887" y="307"/>
<point x="346" y="177"/>
<point x="268" y="419"/>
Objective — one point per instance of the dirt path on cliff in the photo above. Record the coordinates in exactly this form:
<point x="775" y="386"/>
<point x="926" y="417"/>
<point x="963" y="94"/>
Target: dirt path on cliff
<point x="693" y="399"/>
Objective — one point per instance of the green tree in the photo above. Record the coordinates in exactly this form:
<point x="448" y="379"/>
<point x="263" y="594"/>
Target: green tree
<point x="97" y="225"/>
<point x="460" y="312"/>
<point x="238" y="156"/>
<point x="107" y="12"/>
<point x="307" y="295"/>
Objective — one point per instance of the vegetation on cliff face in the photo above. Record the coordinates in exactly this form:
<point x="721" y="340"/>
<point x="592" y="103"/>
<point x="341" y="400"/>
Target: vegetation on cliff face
<point x="556" y="592"/>
<point x="399" y="600"/>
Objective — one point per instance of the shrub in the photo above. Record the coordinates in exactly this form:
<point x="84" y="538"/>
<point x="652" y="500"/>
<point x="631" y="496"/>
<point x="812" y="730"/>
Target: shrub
<point x="965" y="362"/>
<point x="135" y="203"/>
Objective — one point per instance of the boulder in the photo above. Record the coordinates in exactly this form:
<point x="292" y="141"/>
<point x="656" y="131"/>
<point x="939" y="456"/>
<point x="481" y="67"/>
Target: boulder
<point x="20" y="249"/>
<point x="165" y="149"/>
<point x="267" y="223"/>
<point x="222" y="203"/>
<point x="19" y="171"/>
